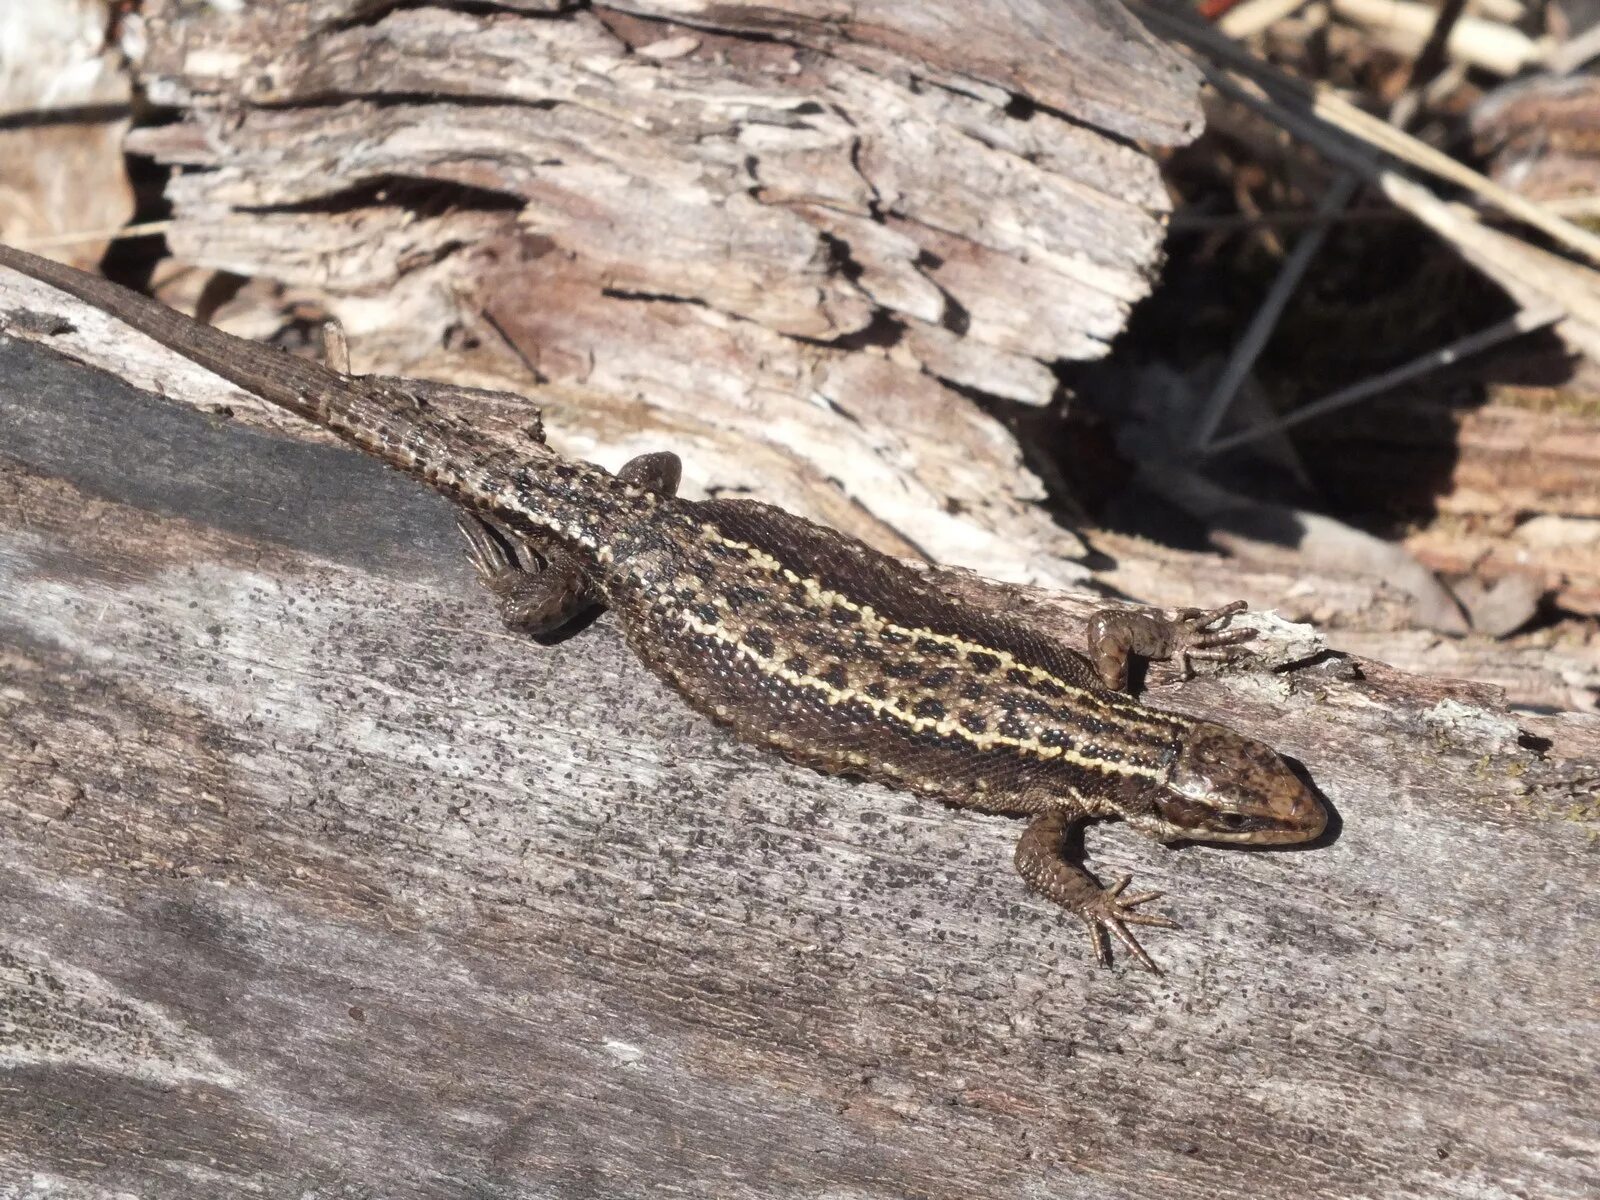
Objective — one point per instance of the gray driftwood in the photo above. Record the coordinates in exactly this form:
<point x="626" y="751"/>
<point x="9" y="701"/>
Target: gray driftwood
<point x="314" y="882"/>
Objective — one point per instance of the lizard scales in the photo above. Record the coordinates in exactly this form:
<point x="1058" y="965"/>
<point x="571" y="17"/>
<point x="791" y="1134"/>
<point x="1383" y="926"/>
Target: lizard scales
<point x="802" y="639"/>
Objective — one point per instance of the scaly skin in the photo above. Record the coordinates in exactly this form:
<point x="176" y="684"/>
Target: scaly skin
<point x="803" y="640"/>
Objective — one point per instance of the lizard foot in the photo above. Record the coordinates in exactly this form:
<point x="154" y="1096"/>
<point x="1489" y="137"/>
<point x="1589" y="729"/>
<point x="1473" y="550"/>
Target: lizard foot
<point x="1193" y="637"/>
<point x="1112" y="912"/>
<point x="1115" y="634"/>
<point x="530" y="601"/>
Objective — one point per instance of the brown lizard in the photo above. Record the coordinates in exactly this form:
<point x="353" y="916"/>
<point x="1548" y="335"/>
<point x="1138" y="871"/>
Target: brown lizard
<point x="801" y="639"/>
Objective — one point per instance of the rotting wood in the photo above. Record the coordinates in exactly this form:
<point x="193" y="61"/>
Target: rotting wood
<point x="1516" y="486"/>
<point x="819" y="248"/>
<point x="312" y="878"/>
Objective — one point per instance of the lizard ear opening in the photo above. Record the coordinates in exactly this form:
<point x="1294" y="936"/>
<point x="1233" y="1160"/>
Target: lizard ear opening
<point x="1184" y="814"/>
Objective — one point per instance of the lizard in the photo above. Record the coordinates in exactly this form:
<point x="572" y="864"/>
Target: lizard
<point x="803" y="640"/>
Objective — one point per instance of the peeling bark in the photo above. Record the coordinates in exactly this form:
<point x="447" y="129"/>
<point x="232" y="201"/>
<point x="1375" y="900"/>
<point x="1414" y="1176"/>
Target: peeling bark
<point x="820" y="245"/>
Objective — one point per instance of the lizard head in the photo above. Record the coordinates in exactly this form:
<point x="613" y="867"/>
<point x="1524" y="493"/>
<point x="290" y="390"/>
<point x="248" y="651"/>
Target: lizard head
<point x="1225" y="787"/>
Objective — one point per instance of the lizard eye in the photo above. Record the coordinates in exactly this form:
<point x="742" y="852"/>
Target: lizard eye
<point x="1230" y="820"/>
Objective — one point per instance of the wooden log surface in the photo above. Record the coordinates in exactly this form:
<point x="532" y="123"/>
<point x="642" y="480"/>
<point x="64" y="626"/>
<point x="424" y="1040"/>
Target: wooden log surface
<point x="314" y="881"/>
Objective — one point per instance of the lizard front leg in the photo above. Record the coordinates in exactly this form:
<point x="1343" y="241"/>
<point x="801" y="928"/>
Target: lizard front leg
<point x="1041" y="861"/>
<point x="1115" y="634"/>
<point x="539" y="599"/>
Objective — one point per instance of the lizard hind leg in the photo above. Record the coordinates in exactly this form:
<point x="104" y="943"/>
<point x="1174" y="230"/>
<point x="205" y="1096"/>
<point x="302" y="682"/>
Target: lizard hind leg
<point x="531" y="600"/>
<point x="544" y="598"/>
<point x="1044" y="867"/>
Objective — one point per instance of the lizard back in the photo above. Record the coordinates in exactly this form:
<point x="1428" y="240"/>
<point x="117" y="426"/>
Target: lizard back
<point x="812" y="643"/>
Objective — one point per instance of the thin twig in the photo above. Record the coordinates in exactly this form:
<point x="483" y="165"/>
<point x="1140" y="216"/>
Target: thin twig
<point x="1430" y="61"/>
<point x="91" y="235"/>
<point x="1346" y="134"/>
<point x="1525" y="321"/>
<point x="1575" y="52"/>
<point x="1251" y="17"/>
<point x="1265" y="320"/>
<point x="1338" y="196"/>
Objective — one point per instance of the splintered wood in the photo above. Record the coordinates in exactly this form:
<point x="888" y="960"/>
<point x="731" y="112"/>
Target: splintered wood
<point x="815" y="253"/>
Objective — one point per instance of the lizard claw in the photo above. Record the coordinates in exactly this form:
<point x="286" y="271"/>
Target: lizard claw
<point x="485" y="551"/>
<point x="1112" y="912"/>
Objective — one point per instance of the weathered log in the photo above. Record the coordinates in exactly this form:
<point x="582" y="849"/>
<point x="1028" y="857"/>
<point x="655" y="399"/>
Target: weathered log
<point x="313" y="880"/>
<point x="817" y="246"/>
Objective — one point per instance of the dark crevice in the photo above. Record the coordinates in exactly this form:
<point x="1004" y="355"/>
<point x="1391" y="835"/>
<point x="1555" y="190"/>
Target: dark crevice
<point x="1025" y="108"/>
<point x="844" y="414"/>
<point x="613" y="293"/>
<point x="69" y="114"/>
<point x="883" y="331"/>
<point x="1121" y="140"/>
<point x="1539" y="746"/>
<point x="1020" y="107"/>
<point x="955" y="317"/>
<point x="378" y="11"/>
<point x="839" y="257"/>
<point x="420" y="196"/>
<point x="131" y="260"/>
<point x="388" y="100"/>
<point x="1334" y="663"/>
<point x="875" y="205"/>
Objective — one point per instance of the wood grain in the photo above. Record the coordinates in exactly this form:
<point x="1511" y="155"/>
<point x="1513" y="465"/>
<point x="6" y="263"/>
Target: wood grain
<point x="825" y="250"/>
<point x="315" y="881"/>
